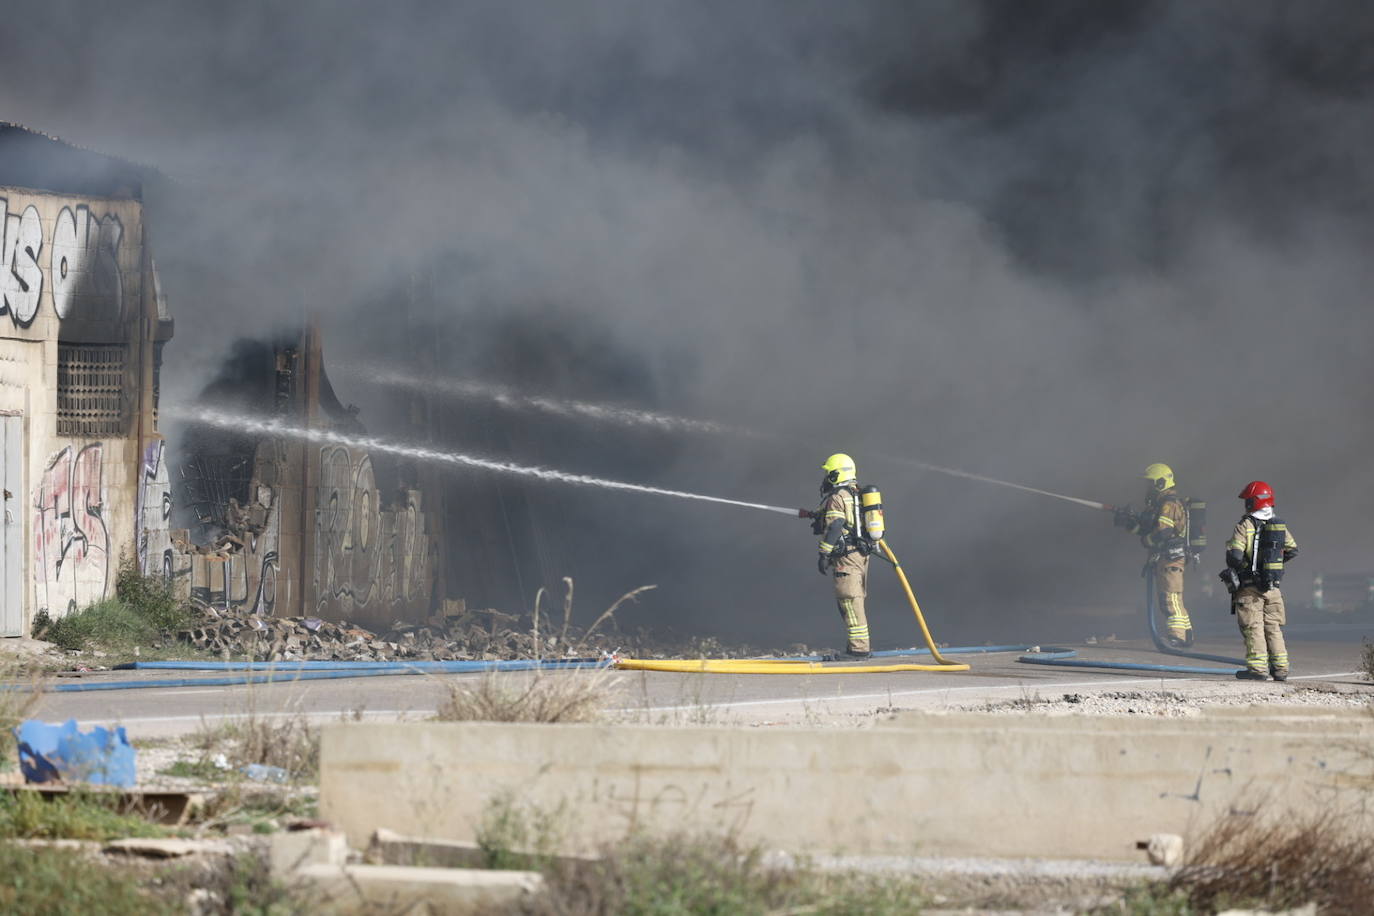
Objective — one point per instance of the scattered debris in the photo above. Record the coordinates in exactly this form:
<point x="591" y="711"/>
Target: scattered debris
<point x="1163" y="849"/>
<point x="166" y="847"/>
<point x="1177" y="704"/>
<point x="464" y="635"/>
<point x="64" y="753"/>
<point x="260" y="772"/>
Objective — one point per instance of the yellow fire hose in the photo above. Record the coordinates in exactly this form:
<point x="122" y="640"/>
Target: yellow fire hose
<point x="796" y="665"/>
<point x="764" y="666"/>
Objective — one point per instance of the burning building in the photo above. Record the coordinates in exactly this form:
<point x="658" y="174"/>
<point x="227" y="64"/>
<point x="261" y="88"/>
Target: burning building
<point x="289" y="525"/>
<point x="259" y="523"/>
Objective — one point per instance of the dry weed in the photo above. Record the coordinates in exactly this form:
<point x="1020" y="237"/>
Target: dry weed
<point x="287" y="740"/>
<point x="1322" y="858"/>
<point x="544" y="696"/>
<point x="707" y="874"/>
<point x="583" y="644"/>
<point x="20" y="690"/>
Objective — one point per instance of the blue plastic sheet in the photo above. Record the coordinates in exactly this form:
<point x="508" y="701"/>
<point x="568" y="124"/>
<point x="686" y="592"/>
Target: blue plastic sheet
<point x="53" y="753"/>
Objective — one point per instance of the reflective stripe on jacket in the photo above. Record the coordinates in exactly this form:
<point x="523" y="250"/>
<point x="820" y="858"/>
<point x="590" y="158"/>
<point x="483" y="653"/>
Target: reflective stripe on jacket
<point x="1171" y="521"/>
<point x="842" y="505"/>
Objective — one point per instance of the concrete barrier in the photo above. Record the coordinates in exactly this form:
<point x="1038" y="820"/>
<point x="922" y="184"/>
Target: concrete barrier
<point x="342" y="889"/>
<point x="947" y="785"/>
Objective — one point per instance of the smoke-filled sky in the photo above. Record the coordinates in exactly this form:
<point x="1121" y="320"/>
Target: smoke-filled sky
<point x="1046" y="241"/>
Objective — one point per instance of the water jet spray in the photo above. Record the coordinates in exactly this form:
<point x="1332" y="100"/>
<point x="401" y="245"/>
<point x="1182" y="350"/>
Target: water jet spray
<point x="471" y="390"/>
<point x="275" y="427"/>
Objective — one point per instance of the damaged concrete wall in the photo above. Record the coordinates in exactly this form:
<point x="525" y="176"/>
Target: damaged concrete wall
<point x="301" y="528"/>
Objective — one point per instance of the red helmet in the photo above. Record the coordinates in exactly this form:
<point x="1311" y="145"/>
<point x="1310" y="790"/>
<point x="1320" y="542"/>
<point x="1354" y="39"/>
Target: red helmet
<point x="1257" y="494"/>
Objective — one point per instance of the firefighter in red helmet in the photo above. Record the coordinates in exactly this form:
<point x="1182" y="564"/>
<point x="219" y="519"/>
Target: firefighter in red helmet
<point x="1255" y="557"/>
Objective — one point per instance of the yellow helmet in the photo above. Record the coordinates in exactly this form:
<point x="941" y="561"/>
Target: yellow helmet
<point x="1161" y="476"/>
<point x="839" y="469"/>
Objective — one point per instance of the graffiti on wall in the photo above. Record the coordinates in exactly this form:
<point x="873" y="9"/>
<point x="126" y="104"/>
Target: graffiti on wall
<point x="73" y="545"/>
<point x="366" y="558"/>
<point x="86" y="281"/>
<point x="21" y="279"/>
<point x="154" y="513"/>
<point x="81" y="264"/>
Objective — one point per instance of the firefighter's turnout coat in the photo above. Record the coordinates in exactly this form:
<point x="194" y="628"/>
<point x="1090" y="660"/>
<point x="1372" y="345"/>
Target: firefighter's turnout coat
<point x="849" y="565"/>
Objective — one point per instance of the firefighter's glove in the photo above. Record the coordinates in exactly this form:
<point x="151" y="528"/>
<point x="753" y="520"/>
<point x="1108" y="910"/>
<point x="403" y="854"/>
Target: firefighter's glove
<point x="1230" y="578"/>
<point x="1123" y="517"/>
<point x="823" y="565"/>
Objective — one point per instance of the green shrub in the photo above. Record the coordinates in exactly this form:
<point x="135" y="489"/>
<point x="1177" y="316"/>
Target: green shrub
<point x="151" y="597"/>
<point x="110" y="624"/>
<point x="142" y="608"/>
<point x="26" y="814"/>
<point x="252" y="890"/>
<point x="61" y="882"/>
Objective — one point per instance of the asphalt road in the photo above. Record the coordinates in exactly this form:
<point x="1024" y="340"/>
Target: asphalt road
<point x="693" y="698"/>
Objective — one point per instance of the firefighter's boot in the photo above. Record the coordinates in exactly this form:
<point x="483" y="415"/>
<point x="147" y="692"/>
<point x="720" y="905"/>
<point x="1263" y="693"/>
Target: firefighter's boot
<point x="1178" y="625"/>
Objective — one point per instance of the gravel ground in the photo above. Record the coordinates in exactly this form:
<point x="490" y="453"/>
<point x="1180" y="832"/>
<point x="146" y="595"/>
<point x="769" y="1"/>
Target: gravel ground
<point x="1176" y="704"/>
<point x="1022" y="886"/>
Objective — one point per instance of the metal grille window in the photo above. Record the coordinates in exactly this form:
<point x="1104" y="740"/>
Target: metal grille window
<point x="90" y="390"/>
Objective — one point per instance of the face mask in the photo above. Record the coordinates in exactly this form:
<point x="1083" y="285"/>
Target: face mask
<point x="1264" y="514"/>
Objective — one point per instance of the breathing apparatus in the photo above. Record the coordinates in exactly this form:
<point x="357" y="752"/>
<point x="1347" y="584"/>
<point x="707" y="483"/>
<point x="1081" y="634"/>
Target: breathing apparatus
<point x="869" y="522"/>
<point x="1266" y="562"/>
<point x="1197" y="528"/>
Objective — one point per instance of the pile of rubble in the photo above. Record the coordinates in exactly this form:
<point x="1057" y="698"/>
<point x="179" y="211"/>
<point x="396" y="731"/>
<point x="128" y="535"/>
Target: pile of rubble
<point x="455" y="634"/>
<point x="467" y="635"/>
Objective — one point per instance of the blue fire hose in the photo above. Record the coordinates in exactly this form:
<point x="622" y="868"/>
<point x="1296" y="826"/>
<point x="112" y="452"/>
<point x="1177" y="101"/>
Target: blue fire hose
<point x="285" y="672"/>
<point x="1051" y="657"/>
<point x="246" y="672"/>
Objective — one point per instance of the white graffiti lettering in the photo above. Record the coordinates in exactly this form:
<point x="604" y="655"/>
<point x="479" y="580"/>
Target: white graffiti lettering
<point x="85" y="272"/>
<point x="81" y="266"/>
<point x="21" y="279"/>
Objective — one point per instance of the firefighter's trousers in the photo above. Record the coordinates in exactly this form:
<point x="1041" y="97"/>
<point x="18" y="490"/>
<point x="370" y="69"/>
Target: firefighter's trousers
<point x="851" y="588"/>
<point x="1261" y="616"/>
<point x="1168" y="575"/>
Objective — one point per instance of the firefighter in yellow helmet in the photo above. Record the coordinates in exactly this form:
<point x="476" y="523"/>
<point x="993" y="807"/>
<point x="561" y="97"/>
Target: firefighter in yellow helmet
<point x="1163" y="530"/>
<point x="837" y="523"/>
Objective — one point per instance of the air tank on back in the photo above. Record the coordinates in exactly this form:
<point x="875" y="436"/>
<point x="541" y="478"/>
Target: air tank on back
<point x="871" y="510"/>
